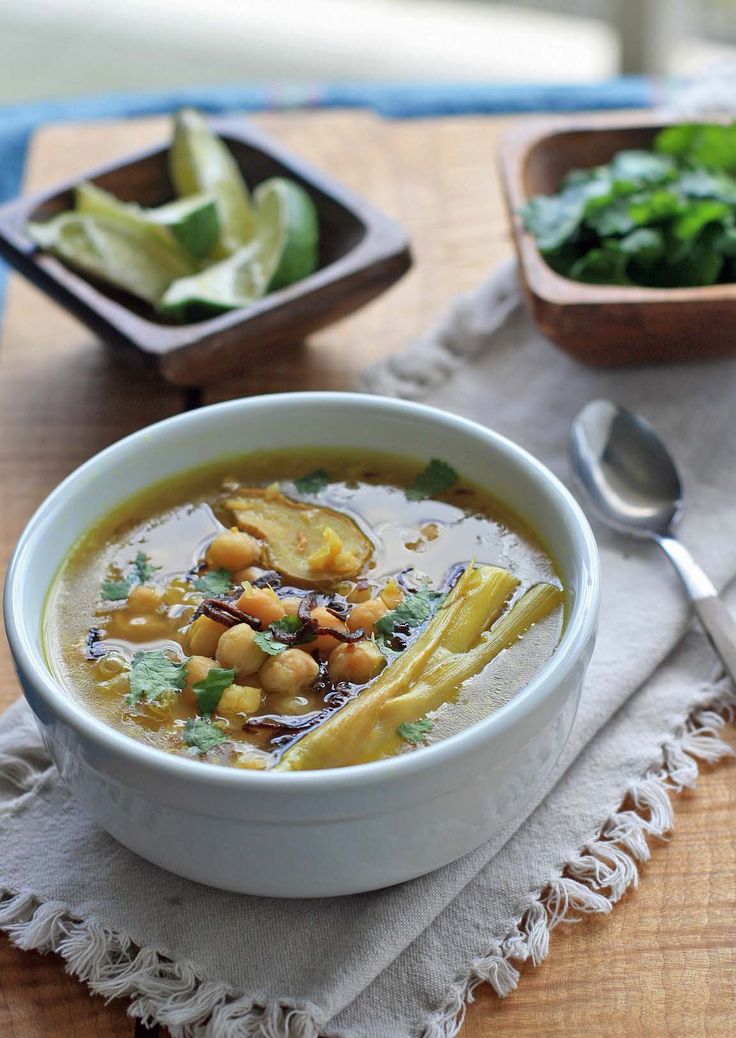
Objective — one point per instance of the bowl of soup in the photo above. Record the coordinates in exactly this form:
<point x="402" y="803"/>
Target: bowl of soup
<point x="306" y="644"/>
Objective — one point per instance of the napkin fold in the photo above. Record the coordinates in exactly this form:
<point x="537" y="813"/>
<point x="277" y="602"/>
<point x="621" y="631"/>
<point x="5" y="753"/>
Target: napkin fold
<point x="403" y="962"/>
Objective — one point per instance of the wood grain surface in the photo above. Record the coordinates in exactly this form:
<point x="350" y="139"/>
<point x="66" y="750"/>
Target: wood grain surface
<point x="663" y="963"/>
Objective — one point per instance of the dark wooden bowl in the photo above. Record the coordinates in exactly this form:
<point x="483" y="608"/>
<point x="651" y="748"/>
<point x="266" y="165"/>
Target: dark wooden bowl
<point x="362" y="252"/>
<point x="605" y="325"/>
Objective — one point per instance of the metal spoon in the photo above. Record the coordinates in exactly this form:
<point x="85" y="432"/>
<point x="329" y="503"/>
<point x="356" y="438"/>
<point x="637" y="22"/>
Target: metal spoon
<point x="635" y="487"/>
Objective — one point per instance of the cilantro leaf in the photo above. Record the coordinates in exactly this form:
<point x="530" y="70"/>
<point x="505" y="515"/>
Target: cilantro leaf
<point x="213" y="583"/>
<point x="435" y="479"/>
<point x="416" y="608"/>
<point x="202" y="734"/>
<point x="208" y="691"/>
<point x="313" y="482"/>
<point x="415" y="731"/>
<point x="604" y="266"/>
<point x="143" y="568"/>
<point x="115" y="590"/>
<point x="154" y="673"/>
<point x="643" y="167"/>
<point x="265" y="639"/>
<point x="118" y="590"/>
<point x="702" y="144"/>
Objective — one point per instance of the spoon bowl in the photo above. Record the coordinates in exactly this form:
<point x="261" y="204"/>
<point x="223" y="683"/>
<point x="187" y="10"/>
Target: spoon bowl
<point x="626" y="470"/>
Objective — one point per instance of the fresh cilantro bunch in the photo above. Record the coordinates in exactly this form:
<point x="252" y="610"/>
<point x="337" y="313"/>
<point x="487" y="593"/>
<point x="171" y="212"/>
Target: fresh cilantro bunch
<point x="664" y="218"/>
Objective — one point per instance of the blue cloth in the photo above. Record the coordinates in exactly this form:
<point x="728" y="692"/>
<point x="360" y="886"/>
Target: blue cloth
<point x="393" y="100"/>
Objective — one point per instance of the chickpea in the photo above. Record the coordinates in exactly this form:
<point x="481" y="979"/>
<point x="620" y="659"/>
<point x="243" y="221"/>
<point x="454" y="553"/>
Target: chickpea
<point x="290" y="671"/>
<point x="392" y="595"/>
<point x="203" y="636"/>
<point x="262" y="603"/>
<point x="233" y="550"/>
<point x="356" y="662"/>
<point x="364" y="615"/>
<point x="291" y="604"/>
<point x="144" y="599"/>
<point x="237" y="649"/>
<point x="239" y="699"/>
<point x="360" y="593"/>
<point x="325" y="643"/>
<point x="198" y="667"/>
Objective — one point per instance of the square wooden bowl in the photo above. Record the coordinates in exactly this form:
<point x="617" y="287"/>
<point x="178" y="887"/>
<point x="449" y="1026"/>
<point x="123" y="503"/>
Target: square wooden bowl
<point x="604" y="325"/>
<point x="361" y="253"/>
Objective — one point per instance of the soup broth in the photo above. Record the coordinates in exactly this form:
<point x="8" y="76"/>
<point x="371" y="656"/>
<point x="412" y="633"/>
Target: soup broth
<point x="303" y="609"/>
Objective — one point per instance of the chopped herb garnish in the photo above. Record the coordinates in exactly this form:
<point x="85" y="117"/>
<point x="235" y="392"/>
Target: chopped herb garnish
<point x="152" y="674"/>
<point x="208" y="691"/>
<point x="313" y="482"/>
<point x="141" y="572"/>
<point x="143" y="567"/>
<point x="434" y="480"/>
<point x="415" y="731"/>
<point x="115" y="590"/>
<point x="416" y="608"/>
<point x="202" y="734"/>
<point x="215" y="582"/>
<point x="266" y="641"/>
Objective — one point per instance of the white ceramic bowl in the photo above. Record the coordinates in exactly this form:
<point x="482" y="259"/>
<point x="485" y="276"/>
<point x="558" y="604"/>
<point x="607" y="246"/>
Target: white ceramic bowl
<point x="329" y="832"/>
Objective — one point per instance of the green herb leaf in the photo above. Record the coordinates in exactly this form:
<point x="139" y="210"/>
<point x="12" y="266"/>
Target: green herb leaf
<point x="143" y="568"/>
<point x="313" y="482"/>
<point x="415" y="731"/>
<point x="154" y="673"/>
<point x="208" y="691"/>
<point x="202" y="734"/>
<point x="141" y="571"/>
<point x="663" y="218"/>
<point x="643" y="167"/>
<point x="213" y="583"/>
<point x="266" y="641"/>
<point x="436" y="478"/>
<point x="702" y="144"/>
<point x="115" y="590"/>
<point x="416" y="608"/>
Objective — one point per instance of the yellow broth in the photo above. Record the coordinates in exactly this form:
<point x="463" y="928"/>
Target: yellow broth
<point x="414" y="544"/>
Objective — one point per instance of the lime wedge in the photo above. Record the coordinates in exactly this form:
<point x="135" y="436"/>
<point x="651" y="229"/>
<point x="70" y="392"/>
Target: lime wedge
<point x="122" y="254"/>
<point x="286" y="217"/>
<point x="200" y="163"/>
<point x="192" y="221"/>
<point x="233" y="282"/>
<point x="283" y="250"/>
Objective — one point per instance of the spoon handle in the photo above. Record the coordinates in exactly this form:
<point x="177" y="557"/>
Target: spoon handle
<point x="717" y="621"/>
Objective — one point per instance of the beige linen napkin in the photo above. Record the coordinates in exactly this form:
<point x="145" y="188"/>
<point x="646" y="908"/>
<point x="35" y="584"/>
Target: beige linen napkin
<point x="401" y="963"/>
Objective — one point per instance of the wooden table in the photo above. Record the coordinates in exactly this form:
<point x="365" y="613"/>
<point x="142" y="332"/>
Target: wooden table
<point x="663" y="963"/>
